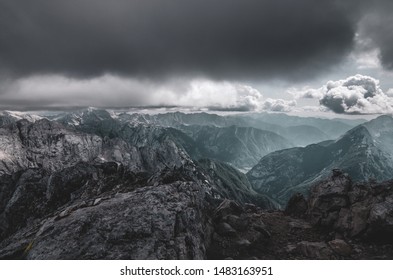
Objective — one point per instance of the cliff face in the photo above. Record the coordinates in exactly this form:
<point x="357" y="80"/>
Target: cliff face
<point x="44" y="144"/>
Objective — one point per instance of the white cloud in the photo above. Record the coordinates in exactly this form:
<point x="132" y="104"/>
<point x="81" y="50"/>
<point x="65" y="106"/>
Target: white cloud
<point x="356" y="95"/>
<point x="114" y="91"/>
<point x="306" y="92"/>
<point x="219" y="95"/>
<point x="278" y="105"/>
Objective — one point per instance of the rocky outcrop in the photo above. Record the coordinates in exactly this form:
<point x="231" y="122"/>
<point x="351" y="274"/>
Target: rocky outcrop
<point x="44" y="144"/>
<point x="354" y="210"/>
<point x="160" y="222"/>
<point x="52" y="146"/>
<point x="104" y="211"/>
<point x="238" y="234"/>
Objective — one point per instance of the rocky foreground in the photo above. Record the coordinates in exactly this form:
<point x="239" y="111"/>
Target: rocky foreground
<point x="95" y="215"/>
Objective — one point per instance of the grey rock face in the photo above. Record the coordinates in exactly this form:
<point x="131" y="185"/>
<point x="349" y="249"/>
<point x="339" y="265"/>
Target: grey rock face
<point x="161" y="222"/>
<point x="44" y="144"/>
<point x="314" y="250"/>
<point x="362" y="210"/>
<point x="340" y="247"/>
<point x="51" y="146"/>
<point x="297" y="206"/>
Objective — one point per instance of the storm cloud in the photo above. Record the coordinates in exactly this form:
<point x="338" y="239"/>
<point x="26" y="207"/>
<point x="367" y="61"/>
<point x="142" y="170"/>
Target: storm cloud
<point x="155" y="38"/>
<point x="375" y="26"/>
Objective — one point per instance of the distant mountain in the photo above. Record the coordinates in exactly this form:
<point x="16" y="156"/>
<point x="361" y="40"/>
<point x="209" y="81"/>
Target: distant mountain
<point x="178" y="118"/>
<point x="365" y="152"/>
<point x="332" y="127"/>
<point x="303" y="135"/>
<point x="241" y="147"/>
<point x="96" y="137"/>
<point x="8" y="117"/>
<point x="300" y="131"/>
<point x="230" y="183"/>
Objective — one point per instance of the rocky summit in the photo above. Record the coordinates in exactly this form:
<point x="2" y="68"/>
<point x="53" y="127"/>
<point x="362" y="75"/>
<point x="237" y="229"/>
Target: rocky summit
<point x="96" y="186"/>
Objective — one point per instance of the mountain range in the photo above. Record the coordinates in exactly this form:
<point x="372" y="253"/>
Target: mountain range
<point x="364" y="152"/>
<point x="103" y="184"/>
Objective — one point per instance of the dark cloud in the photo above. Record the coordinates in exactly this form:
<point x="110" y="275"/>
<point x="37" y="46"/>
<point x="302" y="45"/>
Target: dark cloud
<point x="377" y="25"/>
<point x="216" y="38"/>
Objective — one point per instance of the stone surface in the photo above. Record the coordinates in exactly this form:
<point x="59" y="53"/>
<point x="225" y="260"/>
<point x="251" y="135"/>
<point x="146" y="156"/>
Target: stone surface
<point x="340" y="247"/>
<point x="314" y="250"/>
<point x="160" y="222"/>
<point x="297" y="206"/>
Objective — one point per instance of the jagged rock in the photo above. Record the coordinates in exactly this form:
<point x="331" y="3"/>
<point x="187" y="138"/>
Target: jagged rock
<point x="299" y="224"/>
<point x="328" y="197"/>
<point x="228" y="207"/>
<point x="260" y="227"/>
<point x="44" y="144"/>
<point x="290" y="248"/>
<point x="238" y="223"/>
<point x="381" y="219"/>
<point x="314" y="250"/>
<point x="340" y="247"/>
<point x="243" y="243"/>
<point x="355" y="210"/>
<point x="151" y="223"/>
<point x="353" y="221"/>
<point x="225" y="229"/>
<point x="297" y="206"/>
<point x="249" y="207"/>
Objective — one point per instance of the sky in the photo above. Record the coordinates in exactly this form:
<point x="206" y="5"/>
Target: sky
<point x="325" y="57"/>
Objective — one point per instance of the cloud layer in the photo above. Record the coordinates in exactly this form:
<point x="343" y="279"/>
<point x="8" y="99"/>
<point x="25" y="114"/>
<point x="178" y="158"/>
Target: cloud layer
<point x="217" y="39"/>
<point x="106" y="53"/>
<point x="38" y="92"/>
<point x="355" y="95"/>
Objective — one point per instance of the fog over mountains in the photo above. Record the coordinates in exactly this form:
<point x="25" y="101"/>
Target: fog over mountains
<point x="60" y="171"/>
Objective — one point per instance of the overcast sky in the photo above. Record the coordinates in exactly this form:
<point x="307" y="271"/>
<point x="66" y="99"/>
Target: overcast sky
<point x="250" y="55"/>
